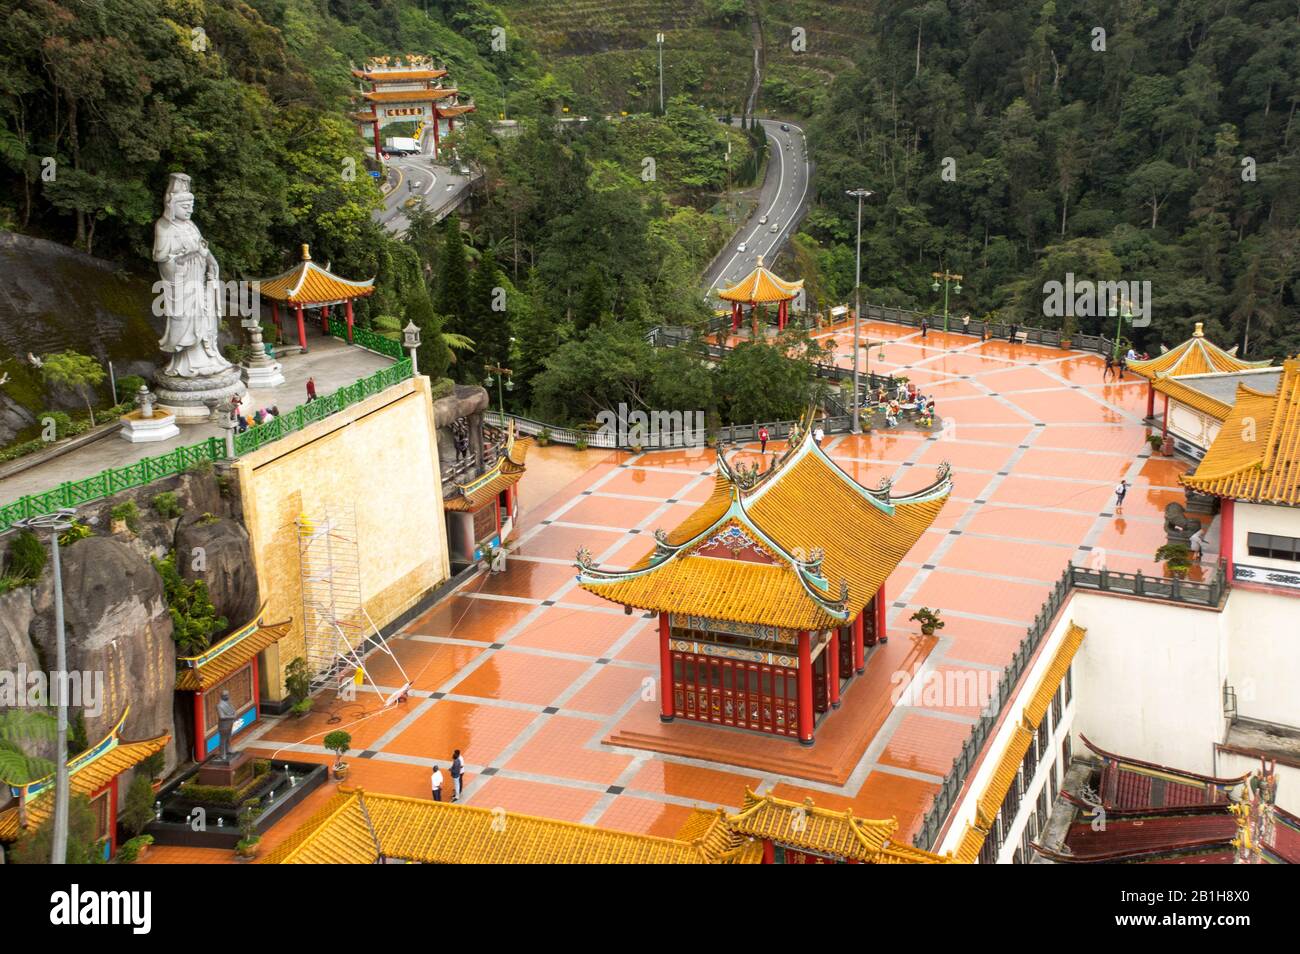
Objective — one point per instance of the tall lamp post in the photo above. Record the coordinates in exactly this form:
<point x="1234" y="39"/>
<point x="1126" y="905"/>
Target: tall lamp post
<point x="506" y="375"/>
<point x="1120" y="317"/>
<point x="659" y="39"/>
<point x="946" y="278"/>
<point x="859" y="194"/>
<point x="56" y="523"/>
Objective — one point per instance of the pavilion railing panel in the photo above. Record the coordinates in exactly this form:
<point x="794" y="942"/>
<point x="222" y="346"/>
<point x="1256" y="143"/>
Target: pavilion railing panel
<point x="1040" y="336"/>
<point x="365" y="338"/>
<point x="1073" y="577"/>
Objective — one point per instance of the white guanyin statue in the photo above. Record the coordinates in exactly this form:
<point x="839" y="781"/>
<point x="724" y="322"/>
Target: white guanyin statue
<point x="191" y="291"/>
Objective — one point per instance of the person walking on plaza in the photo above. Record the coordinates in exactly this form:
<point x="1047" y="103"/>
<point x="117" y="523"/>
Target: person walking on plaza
<point x="457" y="773"/>
<point x="311" y="390"/>
<point x="1196" y="543"/>
<point x="925" y="327"/>
<point x="965" y="324"/>
<point x="1110" y="368"/>
<point x="436" y="783"/>
<point x="1122" y="367"/>
<point x="1120" y="491"/>
<point x="818" y="435"/>
<point x="762" y="440"/>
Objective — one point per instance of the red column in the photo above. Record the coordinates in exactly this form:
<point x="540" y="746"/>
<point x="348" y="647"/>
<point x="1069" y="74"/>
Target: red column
<point x="859" y="649"/>
<point x="769" y="852"/>
<point x="200" y="730"/>
<point x="275" y="319"/>
<point x="1225" y="533"/>
<point x="1151" y="400"/>
<point x="378" y="147"/>
<point x="325" y="320"/>
<point x="882" y="634"/>
<point x="805" y="688"/>
<point x="435" y="133"/>
<point x="833" y="669"/>
<point x="735" y="315"/>
<point x="302" y="329"/>
<point x="347" y="309"/>
<point x="665" y="672"/>
<point x="1164" y="428"/>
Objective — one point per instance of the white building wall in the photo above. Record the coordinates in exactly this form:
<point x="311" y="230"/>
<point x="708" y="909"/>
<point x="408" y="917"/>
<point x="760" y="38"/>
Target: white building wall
<point x="1149" y="679"/>
<point x="1192" y="426"/>
<point x="1263" y="646"/>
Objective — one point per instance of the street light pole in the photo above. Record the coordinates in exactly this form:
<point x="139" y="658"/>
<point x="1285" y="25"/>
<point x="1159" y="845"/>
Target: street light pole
<point x="506" y="375"/>
<point x="57" y="522"/>
<point x="659" y="38"/>
<point x="945" y="277"/>
<point x="1121" y="315"/>
<point x="860" y="194"/>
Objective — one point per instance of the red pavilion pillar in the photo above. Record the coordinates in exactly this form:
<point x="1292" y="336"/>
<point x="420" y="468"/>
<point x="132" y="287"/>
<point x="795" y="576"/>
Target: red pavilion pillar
<point x="435" y="132"/>
<point x="1164" y="427"/>
<point x="735" y="316"/>
<point x="805" y="688"/>
<point x="833" y="668"/>
<point x="378" y="148"/>
<point x="1151" y="400"/>
<point x="665" y="672"/>
<point x="302" y="328"/>
<point x="859" y="650"/>
<point x="347" y="311"/>
<point x="275" y="320"/>
<point x="769" y="852"/>
<point x="325" y="320"/>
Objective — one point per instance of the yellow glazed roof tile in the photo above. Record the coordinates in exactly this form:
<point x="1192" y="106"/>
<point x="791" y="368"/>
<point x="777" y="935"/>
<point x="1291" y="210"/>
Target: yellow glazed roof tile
<point x="309" y="284"/>
<point x="1197" y="400"/>
<point x="506" y="472"/>
<point x="1054" y="675"/>
<point x="1196" y="355"/>
<point x="88" y="772"/>
<point x="1256" y="456"/>
<point x="202" y="672"/>
<point x="761" y="286"/>
<point x="986" y="809"/>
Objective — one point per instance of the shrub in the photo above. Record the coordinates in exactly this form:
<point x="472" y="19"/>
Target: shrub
<point x="138" y="810"/>
<point x="297" y="680"/>
<point x="26" y="556"/>
<point x="167" y="505"/>
<point x="62" y="423"/>
<point x="127" y="386"/>
<point x="130" y="850"/>
<point x="208" y="519"/>
<point x="78" y="531"/>
<point x="580" y="444"/>
<point x="153" y="765"/>
<point x="194" y="618"/>
<point x="338" y="742"/>
<point x="201" y="468"/>
<point x="129" y="514"/>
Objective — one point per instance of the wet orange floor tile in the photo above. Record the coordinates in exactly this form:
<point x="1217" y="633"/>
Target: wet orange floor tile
<point x="643" y="647"/>
<point x="614" y="512"/>
<point x="1114" y="439"/>
<point x="965" y="456"/>
<point x="1053" y="492"/>
<point x="983" y="410"/>
<point x="1018" y="379"/>
<point x="631" y="552"/>
<point x="925" y="744"/>
<point x="957" y="688"/>
<point x="1072" y="464"/>
<point x="645" y="817"/>
<point x="647" y="483"/>
<point x="1132" y="535"/>
<point x="562" y="802"/>
<point x="467" y="618"/>
<point x="971" y="594"/>
<point x="611" y="688"/>
<point x="982" y="641"/>
<point x="699" y="784"/>
<point x="425" y="665"/>
<point x="365" y="719"/>
<point x="559" y="542"/>
<point x="1007" y="558"/>
<point x="521" y="677"/>
<point x="1060" y="406"/>
<point x="568" y="747"/>
<point x="524" y="578"/>
<point x="481" y="732"/>
<point x="579" y="632"/>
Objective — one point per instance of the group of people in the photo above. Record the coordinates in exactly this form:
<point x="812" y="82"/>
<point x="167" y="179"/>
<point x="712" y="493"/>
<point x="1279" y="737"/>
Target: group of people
<point x="457" y="770"/>
<point x="244" y="421"/>
<point x="1117" y="367"/>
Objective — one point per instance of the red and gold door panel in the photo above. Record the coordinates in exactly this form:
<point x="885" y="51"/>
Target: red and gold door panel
<point x="735" y="692"/>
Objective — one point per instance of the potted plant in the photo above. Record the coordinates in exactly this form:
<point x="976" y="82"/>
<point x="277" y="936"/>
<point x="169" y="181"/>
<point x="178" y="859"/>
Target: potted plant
<point x="1177" y="558"/>
<point x="298" y="682"/>
<point x="246" y="847"/>
<point x="339" y="742"/>
<point x="929" y="620"/>
<point x="543" y="437"/>
<point x="581" y="443"/>
<point x="1068" y="326"/>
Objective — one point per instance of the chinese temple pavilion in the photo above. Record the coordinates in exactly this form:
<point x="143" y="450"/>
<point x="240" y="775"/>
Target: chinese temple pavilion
<point x="232" y="665"/>
<point x="481" y="512"/>
<point x="769" y="593"/>
<point x="1196" y="355"/>
<point x="761" y="287"/>
<point x="93" y="773"/>
<point x="403" y="89"/>
<point x="307" y="285"/>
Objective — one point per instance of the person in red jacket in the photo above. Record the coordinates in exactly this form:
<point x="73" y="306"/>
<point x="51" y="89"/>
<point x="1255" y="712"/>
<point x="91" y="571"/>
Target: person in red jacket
<point x="311" y="390"/>
<point x="762" y="440"/>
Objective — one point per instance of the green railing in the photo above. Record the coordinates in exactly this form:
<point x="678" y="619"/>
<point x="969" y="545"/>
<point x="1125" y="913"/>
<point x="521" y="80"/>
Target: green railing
<point x="304" y="414"/>
<point x="364" y="338"/>
<point x="73" y="493"/>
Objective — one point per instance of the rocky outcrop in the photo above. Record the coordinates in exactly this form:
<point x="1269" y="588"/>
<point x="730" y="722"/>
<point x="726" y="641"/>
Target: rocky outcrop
<point x="219" y="552"/>
<point x="118" y="637"/>
<point x="466" y="401"/>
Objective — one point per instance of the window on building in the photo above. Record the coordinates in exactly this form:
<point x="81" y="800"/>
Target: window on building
<point x="1054" y="788"/>
<point x="1028" y="765"/>
<point x="1065" y="754"/>
<point x="1017" y="858"/>
<point x="1044" y="808"/>
<point x="1057" y="705"/>
<point x="1069" y="685"/>
<point x="989" y="850"/>
<point x="1273" y="547"/>
<point x="1043" y="741"/>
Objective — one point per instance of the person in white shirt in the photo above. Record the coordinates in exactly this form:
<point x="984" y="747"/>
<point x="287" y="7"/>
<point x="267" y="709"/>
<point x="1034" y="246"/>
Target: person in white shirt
<point x="818" y="434"/>
<point x="436" y="783"/>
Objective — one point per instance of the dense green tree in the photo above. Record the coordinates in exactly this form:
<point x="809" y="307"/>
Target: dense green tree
<point x="453" y="301"/>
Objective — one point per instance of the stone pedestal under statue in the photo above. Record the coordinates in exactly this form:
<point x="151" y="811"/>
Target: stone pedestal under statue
<point x="228" y="774"/>
<point x="260" y="370"/>
<point x="187" y="397"/>
<point x="147" y="423"/>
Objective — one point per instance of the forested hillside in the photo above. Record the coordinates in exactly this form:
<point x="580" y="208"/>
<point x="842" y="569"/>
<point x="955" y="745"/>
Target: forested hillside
<point x="1169" y="156"/>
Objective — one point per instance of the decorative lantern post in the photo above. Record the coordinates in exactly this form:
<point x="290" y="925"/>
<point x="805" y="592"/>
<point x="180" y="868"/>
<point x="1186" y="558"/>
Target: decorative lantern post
<point x="411" y="342"/>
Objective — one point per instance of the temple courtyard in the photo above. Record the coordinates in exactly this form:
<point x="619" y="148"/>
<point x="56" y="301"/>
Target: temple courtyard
<point x="551" y="693"/>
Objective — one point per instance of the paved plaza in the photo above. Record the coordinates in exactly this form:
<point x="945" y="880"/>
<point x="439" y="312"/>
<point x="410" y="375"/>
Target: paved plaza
<point x="529" y="676"/>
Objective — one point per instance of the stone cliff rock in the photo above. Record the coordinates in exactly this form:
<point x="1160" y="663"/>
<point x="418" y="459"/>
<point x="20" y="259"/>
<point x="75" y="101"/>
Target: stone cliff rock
<point x="222" y="553"/>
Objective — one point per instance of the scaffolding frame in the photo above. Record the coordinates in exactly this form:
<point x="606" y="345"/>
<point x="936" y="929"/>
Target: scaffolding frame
<point x="338" y="633"/>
